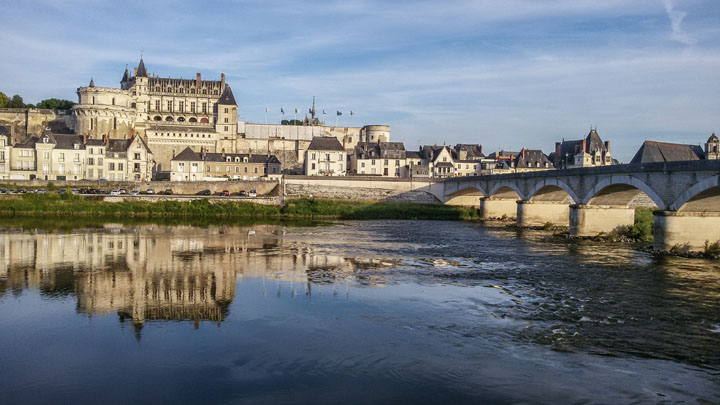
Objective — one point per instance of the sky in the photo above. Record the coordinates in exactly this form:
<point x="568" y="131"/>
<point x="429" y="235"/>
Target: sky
<point x="506" y="74"/>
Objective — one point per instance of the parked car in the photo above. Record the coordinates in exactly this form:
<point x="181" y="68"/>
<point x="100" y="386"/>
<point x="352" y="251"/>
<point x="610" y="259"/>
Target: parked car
<point x="243" y="193"/>
<point x="123" y="191"/>
<point x="115" y="192"/>
<point x="252" y="193"/>
<point x="150" y="191"/>
<point x="134" y="193"/>
<point x="204" y="192"/>
<point x="167" y="192"/>
<point x="225" y="193"/>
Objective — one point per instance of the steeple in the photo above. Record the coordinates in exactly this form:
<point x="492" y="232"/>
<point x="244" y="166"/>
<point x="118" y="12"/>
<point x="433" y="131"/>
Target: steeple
<point x="126" y="75"/>
<point x="92" y="83"/>
<point x="141" y="72"/>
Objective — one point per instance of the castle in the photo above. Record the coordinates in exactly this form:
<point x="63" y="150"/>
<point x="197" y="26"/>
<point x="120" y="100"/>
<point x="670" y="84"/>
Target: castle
<point x="173" y="114"/>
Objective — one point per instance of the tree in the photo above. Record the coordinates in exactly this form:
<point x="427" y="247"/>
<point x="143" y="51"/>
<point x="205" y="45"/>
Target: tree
<point x="16" y="102"/>
<point x="291" y="122"/>
<point x="55" y="104"/>
<point x="3" y="100"/>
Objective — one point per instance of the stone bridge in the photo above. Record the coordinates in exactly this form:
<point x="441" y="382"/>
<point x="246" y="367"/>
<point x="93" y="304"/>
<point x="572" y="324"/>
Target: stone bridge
<point x="601" y="199"/>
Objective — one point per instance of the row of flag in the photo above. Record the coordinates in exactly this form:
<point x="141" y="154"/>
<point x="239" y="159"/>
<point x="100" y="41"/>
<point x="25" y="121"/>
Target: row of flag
<point x="282" y="111"/>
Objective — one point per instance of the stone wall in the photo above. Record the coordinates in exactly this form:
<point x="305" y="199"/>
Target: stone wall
<point x="26" y="122"/>
<point x="178" y="187"/>
<point x="359" y="193"/>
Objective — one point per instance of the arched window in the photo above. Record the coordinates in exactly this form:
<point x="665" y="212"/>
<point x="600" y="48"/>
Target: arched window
<point x="169" y="119"/>
<point x="157" y="89"/>
<point x="204" y="120"/>
<point x="204" y="91"/>
<point x="181" y="119"/>
<point x="215" y="92"/>
<point x="182" y="90"/>
<point x="192" y="119"/>
<point x="169" y="89"/>
<point x="113" y="101"/>
<point x="192" y="90"/>
<point x="158" y="118"/>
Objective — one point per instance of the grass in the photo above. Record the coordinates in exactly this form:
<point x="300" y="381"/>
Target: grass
<point x="642" y="229"/>
<point x="68" y="204"/>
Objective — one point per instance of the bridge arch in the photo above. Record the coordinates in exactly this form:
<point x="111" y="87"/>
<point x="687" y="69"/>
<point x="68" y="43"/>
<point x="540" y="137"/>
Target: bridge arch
<point x="703" y="196"/>
<point x="506" y="190"/>
<point x="552" y="190"/>
<point x="620" y="190"/>
<point x="468" y="196"/>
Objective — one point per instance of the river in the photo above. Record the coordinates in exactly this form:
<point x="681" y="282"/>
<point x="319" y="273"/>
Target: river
<point x="369" y="311"/>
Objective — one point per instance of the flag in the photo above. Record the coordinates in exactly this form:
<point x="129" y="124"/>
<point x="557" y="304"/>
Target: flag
<point x="267" y="109"/>
<point x="324" y="111"/>
<point x="309" y="110"/>
<point x="339" y="113"/>
<point x="282" y="111"/>
<point x="352" y="112"/>
<point x="296" y="110"/>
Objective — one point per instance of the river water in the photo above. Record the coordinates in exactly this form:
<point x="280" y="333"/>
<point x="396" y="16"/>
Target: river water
<point x="371" y="311"/>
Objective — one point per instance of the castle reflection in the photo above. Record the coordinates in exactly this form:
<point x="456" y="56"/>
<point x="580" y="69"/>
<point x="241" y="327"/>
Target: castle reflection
<point x="160" y="272"/>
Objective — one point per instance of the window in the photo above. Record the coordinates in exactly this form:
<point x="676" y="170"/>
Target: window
<point x="111" y="166"/>
<point x="217" y="168"/>
<point x="46" y="155"/>
<point x="136" y="167"/>
<point x="313" y="166"/>
<point x="92" y="151"/>
<point x="204" y="106"/>
<point x="256" y="169"/>
<point x="137" y="156"/>
<point x="90" y="172"/>
<point x="170" y="105"/>
<point x="226" y="121"/>
<point x="181" y="105"/>
<point x="77" y="157"/>
<point x="204" y="92"/>
<point x="182" y="90"/>
<point x="362" y="164"/>
<point x="386" y="162"/>
<point x="313" y="156"/>
<point x="100" y="161"/>
<point x="61" y="158"/>
<point x="226" y="110"/>
<point x="192" y="106"/>
<point x="157" y="105"/>
<point x="120" y="166"/>
<point x="246" y="168"/>
<point x="327" y="157"/>
<point x="372" y="162"/>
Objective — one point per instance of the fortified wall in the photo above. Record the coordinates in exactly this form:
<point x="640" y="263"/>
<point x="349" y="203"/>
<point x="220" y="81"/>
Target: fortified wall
<point x="25" y="122"/>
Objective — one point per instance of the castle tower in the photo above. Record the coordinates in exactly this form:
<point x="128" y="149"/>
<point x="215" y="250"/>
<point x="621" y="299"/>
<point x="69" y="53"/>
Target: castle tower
<point x="712" y="148"/>
<point x="227" y="115"/>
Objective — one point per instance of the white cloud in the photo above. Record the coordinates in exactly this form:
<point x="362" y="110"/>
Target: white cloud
<point x="676" y="18"/>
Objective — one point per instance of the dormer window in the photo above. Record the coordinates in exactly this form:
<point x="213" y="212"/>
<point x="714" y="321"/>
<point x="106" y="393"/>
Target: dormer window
<point x="245" y="160"/>
<point x="237" y="159"/>
<point x="228" y="159"/>
<point x="215" y="92"/>
<point x="76" y="146"/>
<point x="169" y="89"/>
<point x="182" y="90"/>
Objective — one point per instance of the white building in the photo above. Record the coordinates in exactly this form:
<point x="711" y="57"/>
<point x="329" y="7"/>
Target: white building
<point x="325" y="157"/>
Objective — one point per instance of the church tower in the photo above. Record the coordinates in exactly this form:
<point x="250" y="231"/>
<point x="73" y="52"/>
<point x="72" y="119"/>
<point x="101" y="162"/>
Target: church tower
<point x="712" y="148"/>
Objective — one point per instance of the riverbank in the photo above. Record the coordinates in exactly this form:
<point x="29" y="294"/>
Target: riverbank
<point x="78" y="206"/>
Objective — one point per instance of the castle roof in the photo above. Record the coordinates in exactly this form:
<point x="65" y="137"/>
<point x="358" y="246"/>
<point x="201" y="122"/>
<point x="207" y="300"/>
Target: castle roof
<point x="118" y="145"/>
<point x="713" y="138"/>
<point x="325" y="143"/>
<point x="227" y="98"/>
<point x="652" y="151"/>
<point x="68" y="141"/>
<point x="141" y="72"/>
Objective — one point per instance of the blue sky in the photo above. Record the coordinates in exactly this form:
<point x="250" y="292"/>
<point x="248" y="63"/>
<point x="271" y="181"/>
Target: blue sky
<point x="506" y="74"/>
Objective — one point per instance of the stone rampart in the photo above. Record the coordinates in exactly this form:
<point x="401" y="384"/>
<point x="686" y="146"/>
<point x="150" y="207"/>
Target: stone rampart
<point x="178" y="187"/>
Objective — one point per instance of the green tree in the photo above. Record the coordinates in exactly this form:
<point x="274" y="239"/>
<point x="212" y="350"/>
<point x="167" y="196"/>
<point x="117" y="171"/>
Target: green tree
<point x="291" y="122"/>
<point x="55" y="104"/>
<point x="3" y="100"/>
<point x="16" y="102"/>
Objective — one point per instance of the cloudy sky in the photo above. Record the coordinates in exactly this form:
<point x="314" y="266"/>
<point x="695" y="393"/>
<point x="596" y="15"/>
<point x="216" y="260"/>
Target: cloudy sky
<point x="506" y="74"/>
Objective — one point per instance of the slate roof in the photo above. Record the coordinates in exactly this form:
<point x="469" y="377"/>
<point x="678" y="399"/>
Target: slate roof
<point x="29" y="144"/>
<point x="531" y="158"/>
<point x="187" y="155"/>
<point x="4" y="130"/>
<point x="444" y="164"/>
<point x="473" y="151"/>
<point x="502" y="153"/>
<point x="367" y="150"/>
<point x="325" y="143"/>
<point x="141" y="72"/>
<point x="68" y="141"/>
<point x="652" y="151"/>
<point x="118" y="145"/>
<point x="219" y="157"/>
<point x="95" y="142"/>
<point x="413" y="155"/>
<point x="227" y="98"/>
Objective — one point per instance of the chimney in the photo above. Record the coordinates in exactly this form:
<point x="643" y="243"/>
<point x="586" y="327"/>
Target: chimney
<point x="223" y="152"/>
<point x="197" y="81"/>
<point x="106" y="141"/>
<point x="583" y="145"/>
<point x="84" y="139"/>
<point x="134" y="71"/>
<point x="222" y="81"/>
<point x="558" y="148"/>
<point x="607" y="146"/>
<point x="523" y="153"/>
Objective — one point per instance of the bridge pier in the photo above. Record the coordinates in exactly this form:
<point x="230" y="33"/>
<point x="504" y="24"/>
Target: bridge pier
<point x="496" y="208"/>
<point x="591" y="220"/>
<point x="691" y="229"/>
<point x="538" y="213"/>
